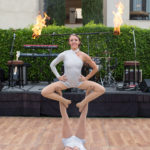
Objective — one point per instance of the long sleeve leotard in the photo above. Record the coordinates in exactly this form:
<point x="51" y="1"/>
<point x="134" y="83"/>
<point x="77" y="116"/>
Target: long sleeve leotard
<point x="72" y="68"/>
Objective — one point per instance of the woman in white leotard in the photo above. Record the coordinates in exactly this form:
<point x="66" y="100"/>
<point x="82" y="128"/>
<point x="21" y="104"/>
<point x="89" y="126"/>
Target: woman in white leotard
<point x="72" y="68"/>
<point x="73" y="61"/>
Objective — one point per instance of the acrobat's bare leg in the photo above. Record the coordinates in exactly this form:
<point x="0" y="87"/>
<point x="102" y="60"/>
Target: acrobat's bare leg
<point x="50" y="92"/>
<point x="97" y="91"/>
<point x="81" y="129"/>
<point x="66" y="131"/>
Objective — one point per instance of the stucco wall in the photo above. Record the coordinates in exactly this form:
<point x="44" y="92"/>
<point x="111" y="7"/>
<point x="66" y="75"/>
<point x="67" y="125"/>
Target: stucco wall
<point x="22" y="13"/>
<point x="18" y="13"/>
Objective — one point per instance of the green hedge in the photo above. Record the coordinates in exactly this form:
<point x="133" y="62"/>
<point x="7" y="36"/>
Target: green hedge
<point x="90" y="8"/>
<point x="121" y="47"/>
<point x="56" y="10"/>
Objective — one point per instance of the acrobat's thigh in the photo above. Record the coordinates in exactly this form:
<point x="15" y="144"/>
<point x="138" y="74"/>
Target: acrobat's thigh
<point x="97" y="87"/>
<point x="52" y="87"/>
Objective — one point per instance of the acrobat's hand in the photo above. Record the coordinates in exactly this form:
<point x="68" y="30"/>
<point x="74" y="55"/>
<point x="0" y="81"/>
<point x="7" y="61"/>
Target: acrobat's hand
<point x="82" y="78"/>
<point x="62" y="78"/>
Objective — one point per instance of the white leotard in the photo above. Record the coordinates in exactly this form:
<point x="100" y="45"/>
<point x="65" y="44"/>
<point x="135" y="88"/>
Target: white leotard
<point x="72" y="68"/>
<point x="74" y="141"/>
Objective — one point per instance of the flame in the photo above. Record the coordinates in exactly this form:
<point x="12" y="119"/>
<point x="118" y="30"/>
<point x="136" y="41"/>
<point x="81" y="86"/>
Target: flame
<point x="118" y="18"/>
<point x="40" y="23"/>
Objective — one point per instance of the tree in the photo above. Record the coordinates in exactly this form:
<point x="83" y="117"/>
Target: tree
<point x="56" y="10"/>
<point x="92" y="10"/>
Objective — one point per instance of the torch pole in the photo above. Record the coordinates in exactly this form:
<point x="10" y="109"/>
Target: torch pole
<point x="88" y="44"/>
<point x="12" y="46"/>
<point x="135" y="50"/>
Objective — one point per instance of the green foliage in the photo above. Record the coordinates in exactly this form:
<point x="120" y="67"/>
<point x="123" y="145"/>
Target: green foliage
<point x="56" y="10"/>
<point x="121" y="47"/>
<point x="92" y="24"/>
<point x="90" y="8"/>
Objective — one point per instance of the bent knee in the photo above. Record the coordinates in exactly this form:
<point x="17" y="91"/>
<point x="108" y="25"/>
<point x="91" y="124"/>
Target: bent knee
<point x="101" y="90"/>
<point x="43" y="92"/>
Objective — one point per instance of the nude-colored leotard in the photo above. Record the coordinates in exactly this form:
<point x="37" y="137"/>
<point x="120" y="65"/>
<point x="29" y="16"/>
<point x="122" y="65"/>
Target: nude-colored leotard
<point x="72" y="68"/>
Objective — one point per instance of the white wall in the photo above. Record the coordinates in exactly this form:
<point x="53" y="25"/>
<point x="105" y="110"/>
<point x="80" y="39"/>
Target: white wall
<point x="22" y="13"/>
<point x="140" y="23"/>
<point x="18" y="13"/>
<point x="111" y="6"/>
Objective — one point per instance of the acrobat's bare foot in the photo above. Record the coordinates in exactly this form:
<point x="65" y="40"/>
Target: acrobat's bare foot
<point x="76" y="148"/>
<point x="65" y="101"/>
<point x="68" y="148"/>
<point x="81" y="105"/>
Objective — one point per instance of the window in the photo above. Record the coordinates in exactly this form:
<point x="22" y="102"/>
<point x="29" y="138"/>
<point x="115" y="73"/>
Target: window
<point x="79" y="13"/>
<point x="148" y="8"/>
<point x="140" y="9"/>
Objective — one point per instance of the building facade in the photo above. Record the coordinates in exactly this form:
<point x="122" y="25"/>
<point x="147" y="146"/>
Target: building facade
<point x="21" y="14"/>
<point x="136" y="12"/>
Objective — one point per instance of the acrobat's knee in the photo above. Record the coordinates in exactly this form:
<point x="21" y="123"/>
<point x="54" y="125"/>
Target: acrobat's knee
<point x="43" y="93"/>
<point x="102" y="89"/>
<point x="47" y="91"/>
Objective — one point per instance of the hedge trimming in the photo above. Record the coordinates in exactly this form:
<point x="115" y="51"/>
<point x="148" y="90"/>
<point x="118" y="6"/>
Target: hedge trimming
<point x="121" y="47"/>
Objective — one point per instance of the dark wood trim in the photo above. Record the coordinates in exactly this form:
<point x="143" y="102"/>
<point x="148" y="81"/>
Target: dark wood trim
<point x="144" y="5"/>
<point x="139" y="13"/>
<point x="131" y="5"/>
